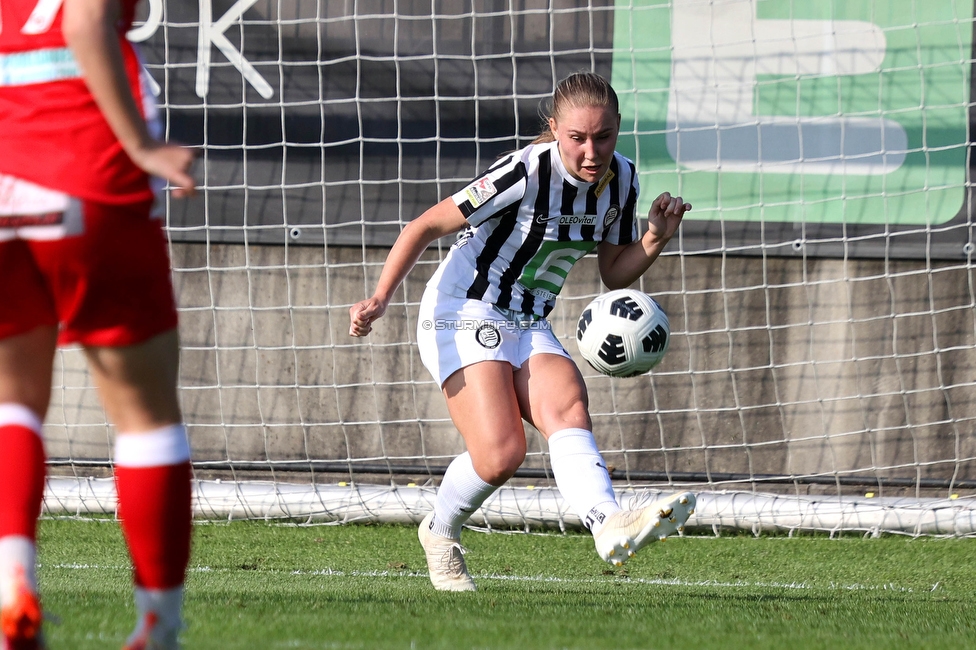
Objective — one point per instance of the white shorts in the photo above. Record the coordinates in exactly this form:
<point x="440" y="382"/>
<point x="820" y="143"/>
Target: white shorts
<point x="456" y="332"/>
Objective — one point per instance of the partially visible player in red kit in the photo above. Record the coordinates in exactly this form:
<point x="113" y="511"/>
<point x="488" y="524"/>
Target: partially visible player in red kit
<point x="84" y="260"/>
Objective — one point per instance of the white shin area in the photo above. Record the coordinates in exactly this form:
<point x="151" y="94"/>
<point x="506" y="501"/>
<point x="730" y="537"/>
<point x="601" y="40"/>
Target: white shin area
<point x="582" y="477"/>
<point x="167" y="605"/>
<point x="461" y="494"/>
<point x="18" y="556"/>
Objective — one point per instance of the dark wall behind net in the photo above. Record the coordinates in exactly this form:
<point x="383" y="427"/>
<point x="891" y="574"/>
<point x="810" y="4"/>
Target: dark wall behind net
<point x="373" y="118"/>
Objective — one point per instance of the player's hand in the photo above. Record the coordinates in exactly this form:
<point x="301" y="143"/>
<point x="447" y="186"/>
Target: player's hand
<point x="665" y="216"/>
<point x="168" y="161"/>
<point x="362" y="315"/>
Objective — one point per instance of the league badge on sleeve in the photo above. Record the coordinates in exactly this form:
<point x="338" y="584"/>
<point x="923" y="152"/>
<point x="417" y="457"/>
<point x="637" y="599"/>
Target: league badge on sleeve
<point x="480" y="191"/>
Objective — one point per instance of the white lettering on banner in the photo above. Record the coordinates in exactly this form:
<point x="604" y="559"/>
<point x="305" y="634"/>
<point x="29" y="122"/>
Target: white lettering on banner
<point x="148" y="28"/>
<point x="211" y="34"/>
<point x="712" y="125"/>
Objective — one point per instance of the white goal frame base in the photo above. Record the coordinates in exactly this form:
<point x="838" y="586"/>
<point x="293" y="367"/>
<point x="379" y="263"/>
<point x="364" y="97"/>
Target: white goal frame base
<point x="534" y="508"/>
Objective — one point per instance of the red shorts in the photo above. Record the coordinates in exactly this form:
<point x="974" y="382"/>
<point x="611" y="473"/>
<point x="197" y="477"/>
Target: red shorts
<point x="107" y="286"/>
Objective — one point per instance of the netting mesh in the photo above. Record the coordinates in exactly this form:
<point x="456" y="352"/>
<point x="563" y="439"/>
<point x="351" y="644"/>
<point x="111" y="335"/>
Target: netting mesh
<point x="820" y="294"/>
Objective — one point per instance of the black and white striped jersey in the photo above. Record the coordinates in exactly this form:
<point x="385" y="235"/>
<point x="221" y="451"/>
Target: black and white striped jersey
<point x="531" y="221"/>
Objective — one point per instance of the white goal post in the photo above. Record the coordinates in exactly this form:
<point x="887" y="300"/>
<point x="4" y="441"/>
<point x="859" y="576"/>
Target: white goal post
<point x="821" y="374"/>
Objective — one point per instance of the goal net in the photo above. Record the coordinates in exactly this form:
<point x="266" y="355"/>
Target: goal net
<point x="822" y="368"/>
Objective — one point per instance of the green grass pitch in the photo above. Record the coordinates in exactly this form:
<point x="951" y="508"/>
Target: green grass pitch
<point x="257" y="585"/>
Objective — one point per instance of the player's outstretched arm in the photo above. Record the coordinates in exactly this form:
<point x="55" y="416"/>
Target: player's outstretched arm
<point x="620" y="266"/>
<point x="442" y="219"/>
<point x="89" y="28"/>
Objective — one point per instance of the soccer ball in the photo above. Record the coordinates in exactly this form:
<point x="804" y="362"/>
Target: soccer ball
<point x="623" y="333"/>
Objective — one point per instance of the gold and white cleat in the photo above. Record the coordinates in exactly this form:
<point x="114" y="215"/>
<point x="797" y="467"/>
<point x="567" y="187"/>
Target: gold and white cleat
<point x="627" y="531"/>
<point x="445" y="560"/>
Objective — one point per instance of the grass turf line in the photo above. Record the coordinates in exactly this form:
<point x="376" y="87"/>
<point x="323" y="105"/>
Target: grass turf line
<point x="256" y="585"/>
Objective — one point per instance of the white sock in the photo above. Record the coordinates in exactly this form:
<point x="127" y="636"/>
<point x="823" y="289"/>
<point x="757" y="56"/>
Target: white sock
<point x="582" y="477"/>
<point x="461" y="493"/>
<point x="16" y="553"/>
<point x="166" y="445"/>
<point x="167" y="604"/>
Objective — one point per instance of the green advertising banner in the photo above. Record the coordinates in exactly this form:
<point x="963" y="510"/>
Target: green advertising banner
<point x="849" y="113"/>
<point x="794" y="127"/>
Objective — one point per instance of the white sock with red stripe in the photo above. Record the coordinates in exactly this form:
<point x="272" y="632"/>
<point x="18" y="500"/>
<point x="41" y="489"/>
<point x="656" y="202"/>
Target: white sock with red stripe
<point x="152" y="474"/>
<point x="159" y="603"/>
<point x="22" y="473"/>
<point x="582" y="477"/>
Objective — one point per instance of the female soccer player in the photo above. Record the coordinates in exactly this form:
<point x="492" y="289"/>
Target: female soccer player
<point x="529" y="215"/>
<point x="83" y="261"/>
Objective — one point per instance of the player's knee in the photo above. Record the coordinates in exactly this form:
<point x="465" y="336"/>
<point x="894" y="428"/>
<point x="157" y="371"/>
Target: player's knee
<point x="572" y="413"/>
<point x="500" y="465"/>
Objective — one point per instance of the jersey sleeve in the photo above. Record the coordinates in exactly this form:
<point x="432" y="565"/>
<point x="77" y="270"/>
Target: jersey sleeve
<point x="623" y="230"/>
<point x="488" y="195"/>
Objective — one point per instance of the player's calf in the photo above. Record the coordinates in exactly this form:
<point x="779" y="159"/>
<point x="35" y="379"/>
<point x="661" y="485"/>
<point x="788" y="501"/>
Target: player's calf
<point x="153" y="474"/>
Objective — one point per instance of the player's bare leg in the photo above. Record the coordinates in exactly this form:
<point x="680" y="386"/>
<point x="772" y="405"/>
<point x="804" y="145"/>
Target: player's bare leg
<point x="482" y="404"/>
<point x="26" y="363"/>
<point x="25" y="389"/>
<point x="137" y="385"/>
<point x="553" y="397"/>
